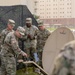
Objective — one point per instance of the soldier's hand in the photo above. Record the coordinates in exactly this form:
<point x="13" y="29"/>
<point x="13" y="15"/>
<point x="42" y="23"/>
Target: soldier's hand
<point x="20" y="60"/>
<point x="24" y="54"/>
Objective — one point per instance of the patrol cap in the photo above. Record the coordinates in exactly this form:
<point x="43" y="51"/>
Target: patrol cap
<point x="11" y="22"/>
<point x="21" y="30"/>
<point x="28" y="20"/>
<point x="40" y="23"/>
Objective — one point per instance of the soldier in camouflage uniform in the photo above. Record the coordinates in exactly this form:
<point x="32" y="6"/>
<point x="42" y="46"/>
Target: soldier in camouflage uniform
<point x="65" y="61"/>
<point x="43" y="34"/>
<point x="10" y="26"/>
<point x="9" y="50"/>
<point x="31" y="40"/>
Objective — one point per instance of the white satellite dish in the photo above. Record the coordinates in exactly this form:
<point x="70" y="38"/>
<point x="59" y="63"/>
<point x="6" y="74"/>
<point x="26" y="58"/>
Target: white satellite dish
<point x="53" y="45"/>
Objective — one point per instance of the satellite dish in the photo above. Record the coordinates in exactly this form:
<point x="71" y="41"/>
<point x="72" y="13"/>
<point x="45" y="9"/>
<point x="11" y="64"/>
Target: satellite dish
<point x="53" y="45"/>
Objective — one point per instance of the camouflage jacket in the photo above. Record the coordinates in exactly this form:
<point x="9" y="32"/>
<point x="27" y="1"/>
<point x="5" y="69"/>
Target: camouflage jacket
<point x="32" y="33"/>
<point x="11" y="46"/>
<point x="63" y="65"/>
<point x="3" y="35"/>
<point x="42" y="37"/>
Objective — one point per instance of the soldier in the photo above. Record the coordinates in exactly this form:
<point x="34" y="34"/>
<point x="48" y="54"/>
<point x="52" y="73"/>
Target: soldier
<point x="9" y="50"/>
<point x="65" y="61"/>
<point x="30" y="40"/>
<point x="10" y="26"/>
<point x="43" y="34"/>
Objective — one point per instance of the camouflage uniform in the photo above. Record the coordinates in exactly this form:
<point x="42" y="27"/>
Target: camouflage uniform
<point x="30" y="41"/>
<point x="4" y="33"/>
<point x="41" y="40"/>
<point x="65" y="61"/>
<point x="9" y="50"/>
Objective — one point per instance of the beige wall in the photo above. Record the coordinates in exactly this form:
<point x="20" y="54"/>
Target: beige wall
<point x="9" y="2"/>
<point x="29" y="3"/>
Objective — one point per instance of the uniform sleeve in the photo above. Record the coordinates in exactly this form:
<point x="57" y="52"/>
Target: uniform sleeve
<point x="2" y="38"/>
<point x="15" y="47"/>
<point x="57" y="66"/>
<point x="36" y="32"/>
<point x="24" y="37"/>
<point x="48" y="33"/>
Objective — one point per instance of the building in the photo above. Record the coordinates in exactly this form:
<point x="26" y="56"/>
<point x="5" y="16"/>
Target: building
<point x="56" y="11"/>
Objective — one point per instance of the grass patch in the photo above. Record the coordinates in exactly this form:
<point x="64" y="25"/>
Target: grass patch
<point x="51" y="29"/>
<point x="28" y="71"/>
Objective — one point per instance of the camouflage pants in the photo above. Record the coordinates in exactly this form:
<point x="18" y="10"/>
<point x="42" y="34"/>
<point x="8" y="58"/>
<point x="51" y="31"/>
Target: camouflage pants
<point x="40" y="57"/>
<point x="8" y="65"/>
<point x="30" y="52"/>
<point x="40" y="51"/>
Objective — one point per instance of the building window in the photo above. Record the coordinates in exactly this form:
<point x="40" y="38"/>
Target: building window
<point x="70" y="7"/>
<point x="70" y="12"/>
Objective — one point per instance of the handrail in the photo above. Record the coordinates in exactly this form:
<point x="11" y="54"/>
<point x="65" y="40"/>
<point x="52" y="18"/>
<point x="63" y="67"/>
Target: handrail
<point x="34" y="63"/>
